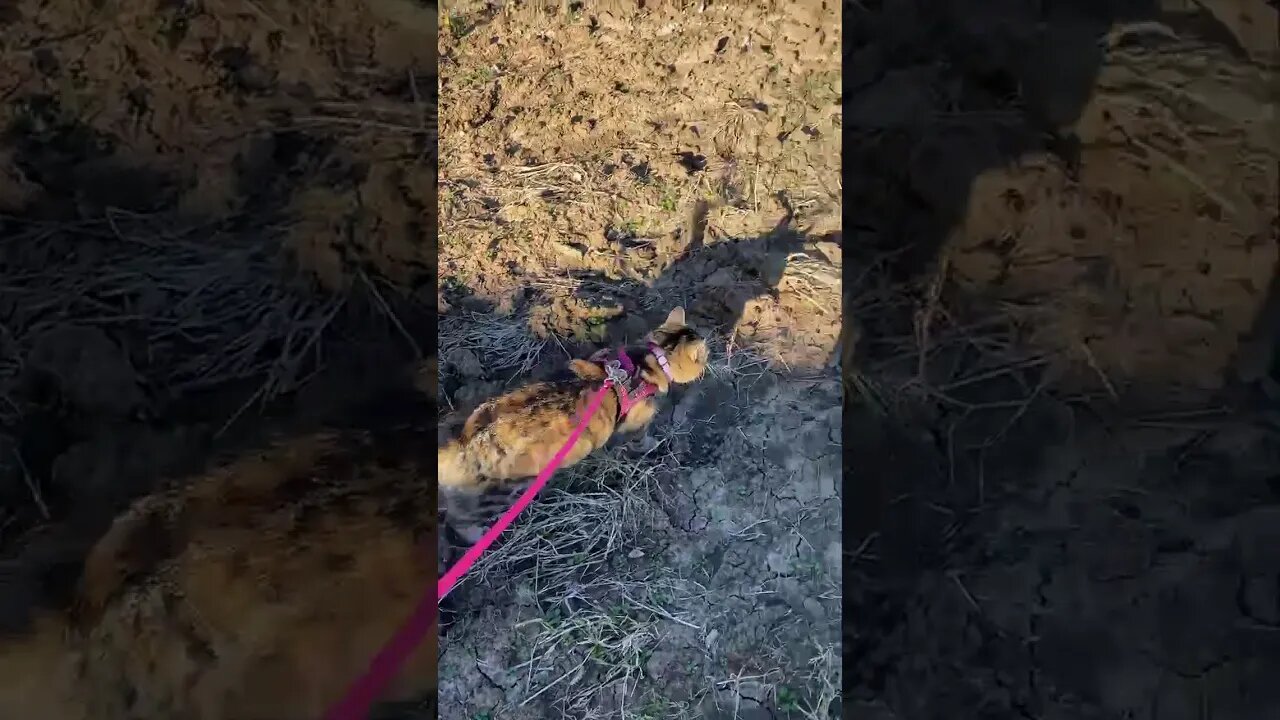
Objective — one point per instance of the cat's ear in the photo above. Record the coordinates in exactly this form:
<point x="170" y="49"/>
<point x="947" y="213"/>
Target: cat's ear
<point x="675" y="318"/>
<point x="586" y="370"/>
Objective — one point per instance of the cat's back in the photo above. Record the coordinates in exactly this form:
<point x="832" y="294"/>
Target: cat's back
<point x="525" y="410"/>
<point x="261" y="589"/>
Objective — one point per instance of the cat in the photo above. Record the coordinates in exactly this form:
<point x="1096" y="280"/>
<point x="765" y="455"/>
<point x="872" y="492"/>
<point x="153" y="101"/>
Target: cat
<point x="514" y="436"/>
<point x="257" y="592"/>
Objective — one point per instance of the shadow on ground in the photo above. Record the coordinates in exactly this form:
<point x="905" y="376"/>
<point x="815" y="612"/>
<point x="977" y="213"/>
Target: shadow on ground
<point x="715" y="283"/>
<point x="995" y="511"/>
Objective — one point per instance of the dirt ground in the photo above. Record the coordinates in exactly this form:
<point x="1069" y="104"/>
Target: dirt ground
<point x="1059" y="364"/>
<point x="600" y="165"/>
<point x="1061" y="438"/>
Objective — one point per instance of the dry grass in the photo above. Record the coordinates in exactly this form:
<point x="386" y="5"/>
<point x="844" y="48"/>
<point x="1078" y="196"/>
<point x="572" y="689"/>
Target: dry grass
<point x="798" y="695"/>
<point x="741" y="366"/>
<point x="205" y="309"/>
<point x="599" y="639"/>
<point x="592" y="513"/>
<point x="814" y="280"/>
<point x="498" y="344"/>
<point x="823" y="684"/>
<point x="596" y="621"/>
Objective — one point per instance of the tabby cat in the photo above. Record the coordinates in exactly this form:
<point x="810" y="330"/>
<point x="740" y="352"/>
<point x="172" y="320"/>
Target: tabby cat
<point x="257" y="592"/>
<point x="514" y="436"/>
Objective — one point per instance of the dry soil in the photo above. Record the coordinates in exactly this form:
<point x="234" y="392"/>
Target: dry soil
<point x="601" y="164"/>
<point x="1060" y="296"/>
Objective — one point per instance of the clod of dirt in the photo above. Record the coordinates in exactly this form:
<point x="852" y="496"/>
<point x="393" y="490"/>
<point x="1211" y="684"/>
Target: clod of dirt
<point x="90" y="371"/>
<point x="692" y="162"/>
<point x="572" y="251"/>
<point x="642" y="171"/>
<point x="465" y="363"/>
<point x="243" y="71"/>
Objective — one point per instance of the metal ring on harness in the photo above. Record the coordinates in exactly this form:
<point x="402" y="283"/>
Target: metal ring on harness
<point x="613" y="370"/>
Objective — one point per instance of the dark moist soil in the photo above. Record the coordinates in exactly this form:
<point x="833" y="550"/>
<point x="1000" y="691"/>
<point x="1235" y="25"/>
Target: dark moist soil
<point x="209" y="214"/>
<point x="1063" y="441"/>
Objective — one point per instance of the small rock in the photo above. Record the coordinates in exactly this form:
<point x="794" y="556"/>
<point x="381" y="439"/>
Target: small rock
<point x="636" y="554"/>
<point x="831" y="251"/>
<point x="778" y="563"/>
<point x="711" y="638"/>
<point x="572" y="251"/>
<point x="466" y="363"/>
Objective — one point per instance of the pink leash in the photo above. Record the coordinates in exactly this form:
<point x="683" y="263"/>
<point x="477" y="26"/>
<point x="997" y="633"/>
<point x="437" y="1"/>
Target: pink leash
<point x="384" y="666"/>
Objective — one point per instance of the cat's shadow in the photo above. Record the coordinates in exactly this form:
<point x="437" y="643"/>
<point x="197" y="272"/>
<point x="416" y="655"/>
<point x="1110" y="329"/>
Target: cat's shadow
<point x="713" y="282"/>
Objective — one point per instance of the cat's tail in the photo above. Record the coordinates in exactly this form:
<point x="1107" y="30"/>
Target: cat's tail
<point x="37" y="673"/>
<point x="453" y="467"/>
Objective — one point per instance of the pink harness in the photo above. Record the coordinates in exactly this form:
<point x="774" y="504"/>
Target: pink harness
<point x="622" y="370"/>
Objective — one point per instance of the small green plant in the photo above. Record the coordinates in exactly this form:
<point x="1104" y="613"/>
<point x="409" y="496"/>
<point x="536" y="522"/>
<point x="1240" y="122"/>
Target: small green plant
<point x="479" y="76"/>
<point x="668" y="201"/>
<point x="788" y="700"/>
<point x="596" y="328"/>
<point x="457" y="25"/>
<point x="808" y="569"/>
<point x="654" y="709"/>
<point x="451" y="285"/>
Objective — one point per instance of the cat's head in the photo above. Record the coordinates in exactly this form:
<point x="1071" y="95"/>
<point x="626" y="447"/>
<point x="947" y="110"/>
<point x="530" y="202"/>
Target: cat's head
<point x="685" y="349"/>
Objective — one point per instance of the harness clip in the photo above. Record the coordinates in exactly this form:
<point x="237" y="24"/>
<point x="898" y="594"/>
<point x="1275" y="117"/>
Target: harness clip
<point x="614" y="372"/>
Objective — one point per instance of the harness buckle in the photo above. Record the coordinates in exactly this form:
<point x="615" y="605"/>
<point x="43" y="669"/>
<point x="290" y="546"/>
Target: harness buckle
<point x="614" y="372"/>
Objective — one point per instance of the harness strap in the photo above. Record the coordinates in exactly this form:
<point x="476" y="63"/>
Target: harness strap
<point x="626" y="400"/>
